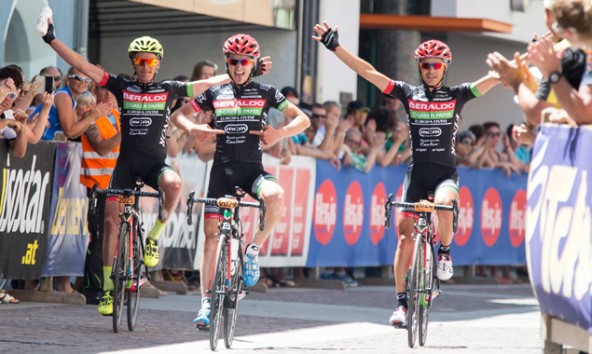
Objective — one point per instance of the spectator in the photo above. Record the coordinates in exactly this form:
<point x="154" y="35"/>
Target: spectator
<point x="204" y="69"/>
<point x="464" y="145"/>
<point x="357" y="113"/>
<point x="361" y="158"/>
<point x="13" y="131"/>
<point x="100" y="149"/>
<point x="493" y="158"/>
<point x="55" y="73"/>
<point x="521" y="151"/>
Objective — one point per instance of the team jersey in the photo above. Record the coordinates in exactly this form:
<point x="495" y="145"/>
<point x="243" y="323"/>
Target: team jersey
<point x="433" y="118"/>
<point x="145" y="111"/>
<point x="237" y="111"/>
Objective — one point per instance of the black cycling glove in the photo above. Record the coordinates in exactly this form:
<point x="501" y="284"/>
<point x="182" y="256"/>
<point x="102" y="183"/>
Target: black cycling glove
<point x="258" y="69"/>
<point x="49" y="36"/>
<point x="330" y="39"/>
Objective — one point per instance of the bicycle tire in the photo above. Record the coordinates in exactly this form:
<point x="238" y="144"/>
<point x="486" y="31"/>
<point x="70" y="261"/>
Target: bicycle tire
<point x="428" y="282"/>
<point x="232" y="301"/>
<point x="413" y="295"/>
<point x="139" y="273"/>
<point x="217" y="291"/>
<point x="119" y="275"/>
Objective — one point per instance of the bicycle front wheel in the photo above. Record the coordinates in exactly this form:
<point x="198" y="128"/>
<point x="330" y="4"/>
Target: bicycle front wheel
<point x="218" y="290"/>
<point x="139" y="274"/>
<point x="414" y="292"/>
<point x="231" y="306"/>
<point x="428" y="286"/>
<point x="119" y="275"/>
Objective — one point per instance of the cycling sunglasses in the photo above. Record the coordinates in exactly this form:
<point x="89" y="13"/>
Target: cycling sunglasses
<point x="427" y="66"/>
<point x="79" y="78"/>
<point x="233" y="62"/>
<point x="141" y="61"/>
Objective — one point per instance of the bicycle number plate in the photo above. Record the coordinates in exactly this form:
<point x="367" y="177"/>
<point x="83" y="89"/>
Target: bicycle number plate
<point x="127" y="200"/>
<point x="227" y="203"/>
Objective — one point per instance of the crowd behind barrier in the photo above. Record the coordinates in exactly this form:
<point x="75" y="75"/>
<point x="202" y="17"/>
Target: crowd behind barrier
<point x="332" y="218"/>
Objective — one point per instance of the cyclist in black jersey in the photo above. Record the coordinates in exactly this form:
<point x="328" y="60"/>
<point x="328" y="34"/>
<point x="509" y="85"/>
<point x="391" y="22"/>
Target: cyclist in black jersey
<point x="145" y="113"/>
<point x="433" y="115"/>
<point x="238" y="111"/>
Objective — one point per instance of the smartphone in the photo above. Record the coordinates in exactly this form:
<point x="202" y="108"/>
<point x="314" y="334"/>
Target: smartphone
<point x="49" y="84"/>
<point x="46" y="83"/>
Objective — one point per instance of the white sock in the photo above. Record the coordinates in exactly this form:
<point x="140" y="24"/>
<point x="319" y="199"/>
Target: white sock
<point x="206" y="302"/>
<point x="252" y="250"/>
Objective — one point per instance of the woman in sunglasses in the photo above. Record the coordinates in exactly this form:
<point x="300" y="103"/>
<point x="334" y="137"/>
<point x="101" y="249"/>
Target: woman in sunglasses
<point x="145" y="115"/>
<point x="239" y="112"/>
<point x="433" y="115"/>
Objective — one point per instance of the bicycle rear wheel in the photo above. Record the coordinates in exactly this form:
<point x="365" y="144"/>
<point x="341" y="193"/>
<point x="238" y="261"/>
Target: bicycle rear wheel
<point x="414" y="293"/>
<point x="217" y="291"/>
<point x="119" y="275"/>
<point x="428" y="286"/>
<point x="139" y="275"/>
<point x="231" y="305"/>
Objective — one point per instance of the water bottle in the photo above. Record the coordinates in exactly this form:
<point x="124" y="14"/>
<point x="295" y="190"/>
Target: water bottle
<point x="42" y="23"/>
<point x="235" y="249"/>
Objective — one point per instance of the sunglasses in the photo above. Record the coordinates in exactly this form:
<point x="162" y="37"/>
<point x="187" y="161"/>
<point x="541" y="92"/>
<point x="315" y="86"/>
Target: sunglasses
<point x="57" y="78"/>
<point x="233" y="62"/>
<point x="496" y="134"/>
<point x="316" y="115"/>
<point x="141" y="61"/>
<point x="427" y="66"/>
<point x="12" y="95"/>
<point x="79" y="78"/>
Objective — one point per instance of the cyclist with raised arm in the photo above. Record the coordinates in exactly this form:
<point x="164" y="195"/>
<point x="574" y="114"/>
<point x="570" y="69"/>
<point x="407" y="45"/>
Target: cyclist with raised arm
<point x="433" y="115"/>
<point x="145" y="114"/>
<point x="239" y="112"/>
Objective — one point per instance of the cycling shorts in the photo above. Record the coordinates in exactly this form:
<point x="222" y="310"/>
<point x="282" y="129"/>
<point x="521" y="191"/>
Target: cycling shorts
<point x="426" y="178"/>
<point x="225" y="176"/>
<point x="129" y="166"/>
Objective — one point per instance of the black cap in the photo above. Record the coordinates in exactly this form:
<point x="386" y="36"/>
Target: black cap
<point x="356" y="106"/>
<point x="289" y="91"/>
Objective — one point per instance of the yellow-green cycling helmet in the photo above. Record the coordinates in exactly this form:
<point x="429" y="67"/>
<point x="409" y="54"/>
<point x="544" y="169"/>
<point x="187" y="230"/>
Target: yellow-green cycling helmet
<point x="145" y="44"/>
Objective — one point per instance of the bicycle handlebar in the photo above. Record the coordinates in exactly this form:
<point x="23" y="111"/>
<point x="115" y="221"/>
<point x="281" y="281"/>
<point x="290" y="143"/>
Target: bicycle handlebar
<point x="128" y="193"/>
<point x="225" y="202"/>
<point x="419" y="207"/>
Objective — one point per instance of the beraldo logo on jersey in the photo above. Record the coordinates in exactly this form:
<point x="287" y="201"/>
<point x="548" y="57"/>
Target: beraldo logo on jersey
<point x="238" y="103"/>
<point x="140" y="122"/>
<point x="430" y="132"/>
<point x="236" y="128"/>
<point x="144" y="101"/>
<point x="431" y="110"/>
<point x="242" y="107"/>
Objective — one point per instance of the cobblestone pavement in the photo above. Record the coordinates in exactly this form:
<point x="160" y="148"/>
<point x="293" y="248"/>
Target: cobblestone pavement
<point x="464" y="319"/>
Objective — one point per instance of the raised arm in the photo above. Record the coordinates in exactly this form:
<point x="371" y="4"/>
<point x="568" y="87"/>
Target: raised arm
<point x="329" y="38"/>
<point x="71" y="57"/>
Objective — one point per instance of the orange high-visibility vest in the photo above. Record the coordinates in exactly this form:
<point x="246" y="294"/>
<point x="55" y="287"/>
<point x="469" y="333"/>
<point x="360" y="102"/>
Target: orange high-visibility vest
<point x="94" y="167"/>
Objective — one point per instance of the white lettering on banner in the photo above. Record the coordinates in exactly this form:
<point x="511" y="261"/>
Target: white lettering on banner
<point x="325" y="213"/>
<point x="492" y="217"/>
<point x="516" y="217"/>
<point x="24" y="199"/>
<point x="376" y="212"/>
<point x="69" y="217"/>
<point x="465" y="218"/>
<point x="564" y="231"/>
<point x="354" y="213"/>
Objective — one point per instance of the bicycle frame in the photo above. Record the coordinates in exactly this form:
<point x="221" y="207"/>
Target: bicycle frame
<point x="422" y="282"/>
<point x="226" y="285"/>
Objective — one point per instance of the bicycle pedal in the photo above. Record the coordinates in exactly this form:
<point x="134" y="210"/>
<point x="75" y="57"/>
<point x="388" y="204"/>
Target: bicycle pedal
<point x="202" y="328"/>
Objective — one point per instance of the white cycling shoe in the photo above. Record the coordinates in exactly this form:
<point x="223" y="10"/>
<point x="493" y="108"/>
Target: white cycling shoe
<point x="399" y="317"/>
<point x="445" y="270"/>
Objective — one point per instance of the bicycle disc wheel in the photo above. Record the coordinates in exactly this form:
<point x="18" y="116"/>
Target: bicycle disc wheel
<point x="232" y="302"/>
<point x="139" y="275"/>
<point x="119" y="275"/>
<point x="428" y="282"/>
<point x="414" y="294"/>
<point x="217" y="291"/>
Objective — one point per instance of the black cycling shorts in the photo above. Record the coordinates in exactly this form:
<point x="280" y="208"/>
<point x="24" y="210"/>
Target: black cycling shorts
<point x="427" y="178"/>
<point x="225" y="176"/>
<point x="129" y="166"/>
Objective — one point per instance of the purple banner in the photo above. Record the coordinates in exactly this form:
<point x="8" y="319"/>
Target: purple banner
<point x="68" y="235"/>
<point x="559" y="228"/>
<point x="348" y="218"/>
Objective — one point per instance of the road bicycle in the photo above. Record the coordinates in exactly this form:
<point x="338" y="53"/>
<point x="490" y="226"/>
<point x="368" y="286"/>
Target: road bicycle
<point x="423" y="285"/>
<point x="227" y="285"/>
<point x="129" y="271"/>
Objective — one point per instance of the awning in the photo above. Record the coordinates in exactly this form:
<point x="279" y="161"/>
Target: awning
<point x="430" y="23"/>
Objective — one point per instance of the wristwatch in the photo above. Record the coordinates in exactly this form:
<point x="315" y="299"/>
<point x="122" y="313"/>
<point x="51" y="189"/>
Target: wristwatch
<point x="554" y="77"/>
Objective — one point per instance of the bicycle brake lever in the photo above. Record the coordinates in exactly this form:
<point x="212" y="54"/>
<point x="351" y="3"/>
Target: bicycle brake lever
<point x="190" y="208"/>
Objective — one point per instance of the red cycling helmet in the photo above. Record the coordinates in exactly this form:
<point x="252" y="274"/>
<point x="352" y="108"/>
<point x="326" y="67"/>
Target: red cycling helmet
<point x="433" y="49"/>
<point x="242" y="44"/>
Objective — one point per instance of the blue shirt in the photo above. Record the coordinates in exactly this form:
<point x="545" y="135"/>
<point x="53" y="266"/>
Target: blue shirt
<point x="54" y="121"/>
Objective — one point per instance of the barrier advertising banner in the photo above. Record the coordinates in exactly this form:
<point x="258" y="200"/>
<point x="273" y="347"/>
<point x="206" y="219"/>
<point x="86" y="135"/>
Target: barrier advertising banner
<point x="68" y="234"/>
<point x="24" y="210"/>
<point x="559" y="227"/>
<point x="348" y="218"/>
